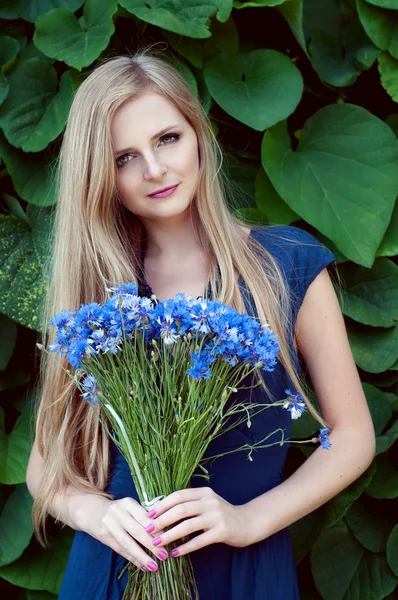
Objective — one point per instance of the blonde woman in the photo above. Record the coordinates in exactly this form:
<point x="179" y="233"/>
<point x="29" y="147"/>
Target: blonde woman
<point x="142" y="199"/>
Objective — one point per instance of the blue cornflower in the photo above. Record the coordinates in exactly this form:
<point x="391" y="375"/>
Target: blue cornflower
<point x="168" y="330"/>
<point x="323" y="438"/>
<point x="91" y="389"/>
<point x="295" y="404"/>
<point x="78" y="351"/>
<point x="63" y="319"/>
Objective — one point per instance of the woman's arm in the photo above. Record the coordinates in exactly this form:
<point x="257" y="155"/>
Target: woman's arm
<point x="323" y="343"/>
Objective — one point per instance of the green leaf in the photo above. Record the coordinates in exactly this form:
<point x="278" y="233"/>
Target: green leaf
<point x="374" y="349"/>
<point x="379" y="407"/>
<point x="344" y="570"/>
<point x="370" y="529"/>
<point x="337" y="507"/>
<point x="224" y="38"/>
<point x="32" y="174"/>
<point x="8" y="337"/>
<point x="187" y="17"/>
<point x="360" y="50"/>
<point x="388" y="69"/>
<point x="292" y="11"/>
<point x="304" y="532"/>
<point x="189" y="77"/>
<point x="392" y="550"/>
<point x="30" y="10"/>
<point x="372" y="294"/>
<point x="389" y="244"/>
<point x="393" y="400"/>
<point x="381" y="25"/>
<point x="34" y="112"/>
<point x="384" y="442"/>
<point x="15" y="207"/>
<point x="39" y="595"/>
<point x="16" y="527"/>
<point x="328" y="59"/>
<point x="23" y="252"/>
<point x="344" y="171"/>
<point x="15" y="449"/>
<point x="384" y="483"/>
<point x="61" y="35"/>
<point x="39" y="568"/>
<point x="9" y="48"/>
<point x="270" y="203"/>
<point x="257" y="3"/>
<point x="259" y="89"/>
<point x="384" y="3"/>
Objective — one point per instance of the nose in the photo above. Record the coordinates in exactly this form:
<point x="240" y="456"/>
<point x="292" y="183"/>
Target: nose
<point x="153" y="167"/>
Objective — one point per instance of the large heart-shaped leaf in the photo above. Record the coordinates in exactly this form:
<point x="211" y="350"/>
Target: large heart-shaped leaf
<point x="293" y="12"/>
<point x="379" y="407"/>
<point x="344" y="172"/>
<point x="78" y="43"/>
<point x="392" y="550"/>
<point x="23" y="250"/>
<point x="39" y="568"/>
<point x="187" y="17"/>
<point x="385" y="441"/>
<point x="375" y="350"/>
<point x="31" y="174"/>
<point x="259" y="88"/>
<point x="8" y="337"/>
<point x="384" y="482"/>
<point x="16" y="527"/>
<point x="224" y="38"/>
<point x="389" y="245"/>
<point x="304" y="532"/>
<point x="370" y="529"/>
<point x="30" y="10"/>
<point x="344" y="570"/>
<point x="15" y="449"/>
<point x="9" y="48"/>
<point x="372" y="294"/>
<point x="384" y="3"/>
<point x="381" y="26"/>
<point x="271" y="204"/>
<point x="34" y="112"/>
<point x="337" y="507"/>
<point x="388" y="69"/>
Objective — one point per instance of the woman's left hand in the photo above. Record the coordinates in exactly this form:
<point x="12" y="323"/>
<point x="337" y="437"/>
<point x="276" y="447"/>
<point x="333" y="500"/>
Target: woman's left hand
<point x="199" y="509"/>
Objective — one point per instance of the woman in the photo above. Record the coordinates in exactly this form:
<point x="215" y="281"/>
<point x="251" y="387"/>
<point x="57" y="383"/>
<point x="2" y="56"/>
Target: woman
<point x="135" y="128"/>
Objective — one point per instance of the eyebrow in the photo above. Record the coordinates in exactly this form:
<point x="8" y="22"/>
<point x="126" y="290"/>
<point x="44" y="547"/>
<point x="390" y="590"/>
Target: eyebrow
<point x="118" y="152"/>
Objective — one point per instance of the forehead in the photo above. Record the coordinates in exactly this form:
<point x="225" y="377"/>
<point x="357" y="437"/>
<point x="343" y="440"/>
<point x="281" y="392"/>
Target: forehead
<point x="140" y="118"/>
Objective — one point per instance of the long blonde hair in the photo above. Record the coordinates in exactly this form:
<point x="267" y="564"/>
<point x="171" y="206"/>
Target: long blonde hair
<point x="96" y="244"/>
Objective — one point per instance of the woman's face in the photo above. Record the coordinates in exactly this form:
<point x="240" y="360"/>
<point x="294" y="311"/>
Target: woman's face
<point x="154" y="147"/>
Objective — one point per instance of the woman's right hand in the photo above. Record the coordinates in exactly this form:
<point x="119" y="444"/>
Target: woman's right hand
<point x="120" y="524"/>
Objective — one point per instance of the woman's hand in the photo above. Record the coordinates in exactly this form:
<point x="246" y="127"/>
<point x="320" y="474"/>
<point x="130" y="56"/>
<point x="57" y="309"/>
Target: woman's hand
<point x="120" y="524"/>
<point x="199" y="509"/>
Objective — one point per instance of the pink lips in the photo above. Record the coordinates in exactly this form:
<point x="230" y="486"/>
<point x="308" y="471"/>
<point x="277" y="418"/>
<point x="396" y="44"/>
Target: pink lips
<point x="165" y="193"/>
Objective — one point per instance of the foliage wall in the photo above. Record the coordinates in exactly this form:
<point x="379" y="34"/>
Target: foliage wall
<point x="302" y="94"/>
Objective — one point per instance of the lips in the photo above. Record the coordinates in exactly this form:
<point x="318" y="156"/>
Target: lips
<point x="163" y="190"/>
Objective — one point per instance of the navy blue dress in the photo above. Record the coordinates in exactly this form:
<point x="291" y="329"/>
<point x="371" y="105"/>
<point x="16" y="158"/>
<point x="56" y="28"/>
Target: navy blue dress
<point x="261" y="571"/>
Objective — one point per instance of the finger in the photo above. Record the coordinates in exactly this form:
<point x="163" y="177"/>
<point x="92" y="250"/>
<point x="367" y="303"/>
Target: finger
<point x="183" y="529"/>
<point x="200" y="541"/>
<point x="136" y="531"/>
<point x="127" y="547"/>
<point x="175" y="514"/>
<point x="178" y="497"/>
<point x="140" y="514"/>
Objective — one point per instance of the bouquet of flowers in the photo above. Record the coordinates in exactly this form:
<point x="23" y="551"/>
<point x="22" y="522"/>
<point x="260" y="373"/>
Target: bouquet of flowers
<point x="163" y="373"/>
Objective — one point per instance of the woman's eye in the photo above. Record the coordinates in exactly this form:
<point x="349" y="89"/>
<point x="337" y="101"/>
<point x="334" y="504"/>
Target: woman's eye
<point x="172" y="137"/>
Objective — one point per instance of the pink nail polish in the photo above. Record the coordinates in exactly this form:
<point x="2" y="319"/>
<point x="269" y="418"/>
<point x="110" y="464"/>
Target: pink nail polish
<point x="153" y="566"/>
<point x="162" y="554"/>
<point x="157" y="541"/>
<point x="144" y="569"/>
<point x="150" y="528"/>
<point x="151" y="513"/>
<point x="174" y="552"/>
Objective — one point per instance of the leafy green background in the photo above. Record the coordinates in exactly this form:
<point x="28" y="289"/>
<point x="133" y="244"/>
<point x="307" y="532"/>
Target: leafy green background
<point x="302" y="94"/>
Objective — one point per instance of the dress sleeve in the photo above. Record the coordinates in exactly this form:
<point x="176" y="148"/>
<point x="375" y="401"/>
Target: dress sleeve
<point x="301" y="258"/>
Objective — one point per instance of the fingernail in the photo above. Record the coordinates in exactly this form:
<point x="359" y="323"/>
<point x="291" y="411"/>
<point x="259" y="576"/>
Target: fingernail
<point x="144" y="569"/>
<point x="157" y="541"/>
<point x="162" y="554"/>
<point x="151" y="513"/>
<point x="174" y="552"/>
<point x="150" y="528"/>
<point x="153" y="566"/>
